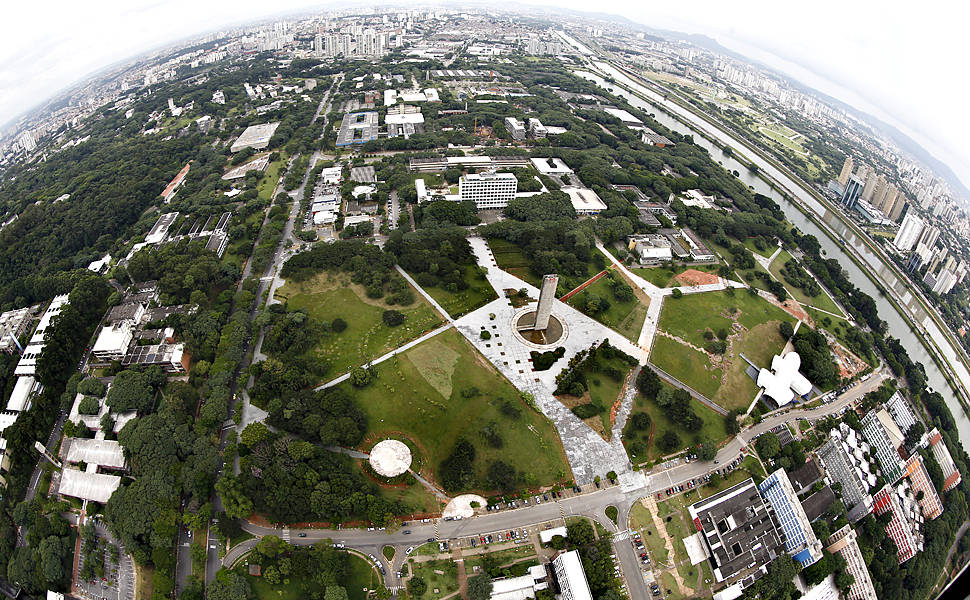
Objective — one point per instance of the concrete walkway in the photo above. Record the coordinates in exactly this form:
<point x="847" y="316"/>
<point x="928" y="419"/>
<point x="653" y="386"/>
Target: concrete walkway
<point x="426" y="295"/>
<point x="393" y="352"/>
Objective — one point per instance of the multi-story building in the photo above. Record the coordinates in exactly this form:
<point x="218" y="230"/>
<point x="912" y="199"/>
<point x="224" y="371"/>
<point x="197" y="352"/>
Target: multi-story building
<point x="847" y="167"/>
<point x="885" y="439"/>
<point x="571" y="577"/>
<point x="853" y="190"/>
<point x="28" y="358"/>
<point x="909" y="232"/>
<point x="13" y="325"/>
<point x="113" y="341"/>
<point x="537" y="129"/>
<point x="800" y="540"/>
<point x="738" y="531"/>
<point x="942" y="455"/>
<point x="900" y="411"/>
<point x="922" y="488"/>
<point x="488" y="190"/>
<point x="843" y="457"/>
<point x="515" y="127"/>
<point x="844" y="543"/>
<point x="901" y="527"/>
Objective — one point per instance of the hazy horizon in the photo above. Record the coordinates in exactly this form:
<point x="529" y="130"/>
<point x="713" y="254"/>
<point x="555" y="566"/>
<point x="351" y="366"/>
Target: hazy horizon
<point x="894" y="76"/>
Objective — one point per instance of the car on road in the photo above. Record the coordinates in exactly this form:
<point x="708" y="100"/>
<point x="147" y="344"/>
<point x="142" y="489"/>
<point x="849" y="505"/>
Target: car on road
<point x="406" y="532"/>
<point x="409" y="550"/>
<point x="430" y="539"/>
<point x="301" y="535"/>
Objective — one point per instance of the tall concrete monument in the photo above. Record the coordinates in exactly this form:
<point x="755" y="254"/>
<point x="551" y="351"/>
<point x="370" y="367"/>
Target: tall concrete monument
<point x="547" y="293"/>
<point x="540" y="326"/>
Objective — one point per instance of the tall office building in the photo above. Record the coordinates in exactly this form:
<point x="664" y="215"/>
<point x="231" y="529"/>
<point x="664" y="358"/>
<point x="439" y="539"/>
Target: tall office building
<point x="27" y="141"/>
<point x="571" y="577"/>
<point x="846" y="170"/>
<point x="318" y="45"/>
<point x="879" y="192"/>
<point x="898" y="208"/>
<point x="853" y="190"/>
<point x="488" y="190"/>
<point x="908" y="233"/>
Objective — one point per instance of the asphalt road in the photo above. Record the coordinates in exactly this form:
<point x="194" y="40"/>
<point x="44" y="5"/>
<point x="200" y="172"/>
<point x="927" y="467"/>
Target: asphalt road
<point x="592" y="503"/>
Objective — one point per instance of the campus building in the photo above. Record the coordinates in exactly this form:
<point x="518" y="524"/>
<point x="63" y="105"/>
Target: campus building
<point x="800" y="540"/>
<point x="255" y="136"/>
<point x="922" y="488"/>
<point x="900" y="411"/>
<point x="488" y="190"/>
<point x="358" y="128"/>
<point x="903" y="528"/>
<point x="13" y="325"/>
<point x="570" y="577"/>
<point x="942" y="455"/>
<point x="843" y="457"/>
<point x="515" y="127"/>
<point x="885" y="438"/>
<point x="739" y="532"/>
<point x="844" y="543"/>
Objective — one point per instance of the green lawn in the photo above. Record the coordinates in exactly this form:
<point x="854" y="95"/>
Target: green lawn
<point x="688" y="317"/>
<point x="441" y="575"/>
<point x="767" y="252"/>
<point x="822" y="301"/>
<point x="686" y="364"/>
<point x="604" y="391"/>
<point x="478" y="294"/>
<point x="625" y="318"/>
<point x="420" y="394"/>
<point x="509" y="257"/>
<point x="713" y="430"/>
<point x="271" y="177"/>
<point x="362" y="576"/>
<point x="328" y="296"/>
<point x="642" y="521"/>
<point x="759" y="344"/>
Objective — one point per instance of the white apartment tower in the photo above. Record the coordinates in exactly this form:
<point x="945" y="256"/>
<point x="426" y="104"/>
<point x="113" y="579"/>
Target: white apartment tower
<point x="488" y="190"/>
<point x="909" y="233"/>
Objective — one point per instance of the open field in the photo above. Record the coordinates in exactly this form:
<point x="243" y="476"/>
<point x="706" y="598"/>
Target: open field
<point x="478" y="294"/>
<point x="362" y="575"/>
<point x="686" y="364"/>
<point x="759" y="344"/>
<point x="822" y="301"/>
<point x="625" y="318"/>
<point x="713" y="430"/>
<point x="443" y="390"/>
<point x="328" y="296"/>
<point x="509" y="257"/>
<point x="767" y="252"/>
<point x="641" y="520"/>
<point x="440" y="575"/>
<point x="688" y="317"/>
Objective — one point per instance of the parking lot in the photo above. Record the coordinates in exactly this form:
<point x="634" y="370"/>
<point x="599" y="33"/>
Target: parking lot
<point x="113" y="578"/>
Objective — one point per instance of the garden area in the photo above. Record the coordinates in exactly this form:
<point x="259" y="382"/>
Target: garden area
<point x="461" y="302"/>
<point x="439" y="576"/>
<point x="612" y="302"/>
<point x="293" y="573"/>
<point x="800" y="284"/>
<point x="443" y="395"/>
<point x="364" y="335"/>
<point x="591" y="385"/>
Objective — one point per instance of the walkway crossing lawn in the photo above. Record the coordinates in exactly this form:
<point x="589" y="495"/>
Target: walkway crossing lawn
<point x="767" y="252"/>
<point x="501" y="557"/>
<point x="759" y="344"/>
<point x="822" y="301"/>
<point x="510" y="257"/>
<point x="661" y="276"/>
<point x="712" y="430"/>
<point x="478" y="294"/>
<point x="442" y="390"/>
<point x="625" y="318"/>
<point x="688" y="317"/>
<point x="327" y="296"/>
<point x="440" y="575"/>
<point x="687" y="365"/>
<point x="643" y="522"/>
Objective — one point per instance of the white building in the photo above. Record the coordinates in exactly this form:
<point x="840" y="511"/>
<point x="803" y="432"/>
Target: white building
<point x="908" y="233"/>
<point x="255" y="136"/>
<point x="784" y="380"/>
<point x="515" y="127"/>
<point x="113" y="341"/>
<point x="488" y="190"/>
<point x="571" y="577"/>
<point x="585" y="201"/>
<point x="537" y="129"/>
<point x="844" y="542"/>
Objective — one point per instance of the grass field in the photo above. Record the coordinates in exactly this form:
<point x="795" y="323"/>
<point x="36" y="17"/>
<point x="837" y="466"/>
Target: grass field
<point x="661" y="276"/>
<point x="478" y="294"/>
<point x="767" y="252"/>
<point x="686" y="364"/>
<point x="271" y="177"/>
<point x="759" y="344"/>
<point x="712" y="430"/>
<point x="327" y="296"/>
<point x="625" y="318"/>
<point x="509" y="257"/>
<point x="420" y="394"/>
<point x="642" y="521"/>
<point x="688" y="317"/>
<point x="440" y="575"/>
<point x="604" y="391"/>
<point x="822" y="301"/>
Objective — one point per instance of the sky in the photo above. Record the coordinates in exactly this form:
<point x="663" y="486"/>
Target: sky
<point x="900" y="62"/>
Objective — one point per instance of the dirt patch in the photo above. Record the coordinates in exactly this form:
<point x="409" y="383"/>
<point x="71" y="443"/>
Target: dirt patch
<point x="692" y="277"/>
<point x="595" y="422"/>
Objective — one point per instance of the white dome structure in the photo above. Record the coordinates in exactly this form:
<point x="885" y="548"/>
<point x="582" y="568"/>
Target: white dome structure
<point x="390" y="458"/>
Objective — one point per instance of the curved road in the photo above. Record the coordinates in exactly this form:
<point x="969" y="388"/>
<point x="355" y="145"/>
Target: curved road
<point x="535" y="516"/>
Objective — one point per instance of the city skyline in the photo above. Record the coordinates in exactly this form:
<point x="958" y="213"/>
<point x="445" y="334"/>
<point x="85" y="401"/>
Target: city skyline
<point x="40" y="63"/>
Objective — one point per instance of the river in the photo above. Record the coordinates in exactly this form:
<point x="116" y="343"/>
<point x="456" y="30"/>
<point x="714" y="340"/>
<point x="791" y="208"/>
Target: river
<point x="662" y="111"/>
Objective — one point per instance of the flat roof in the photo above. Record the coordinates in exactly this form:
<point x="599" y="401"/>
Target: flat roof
<point x="622" y="115"/>
<point x="104" y="453"/>
<point x="412" y="118"/>
<point x="363" y="174"/>
<point x="114" y="338"/>
<point x="21" y="393"/>
<point x="816" y="504"/>
<point x="255" y="136"/>
<point x="550" y="166"/>
<point x="575" y="576"/>
<point x="584" y="200"/>
<point x="358" y="128"/>
<point x="96" y="487"/>
<point x="546" y="535"/>
<point x="784" y="380"/>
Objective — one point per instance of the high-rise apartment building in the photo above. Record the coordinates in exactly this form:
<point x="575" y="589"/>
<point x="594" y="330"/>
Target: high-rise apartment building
<point x="27" y="141"/>
<point x="844" y="543"/>
<point x="847" y="167"/>
<point x="909" y="232"/>
<point x="800" y="540"/>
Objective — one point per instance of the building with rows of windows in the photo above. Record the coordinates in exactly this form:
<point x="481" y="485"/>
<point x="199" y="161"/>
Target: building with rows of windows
<point x="844" y="543"/>
<point x="488" y="190"/>
<point x="800" y="540"/>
